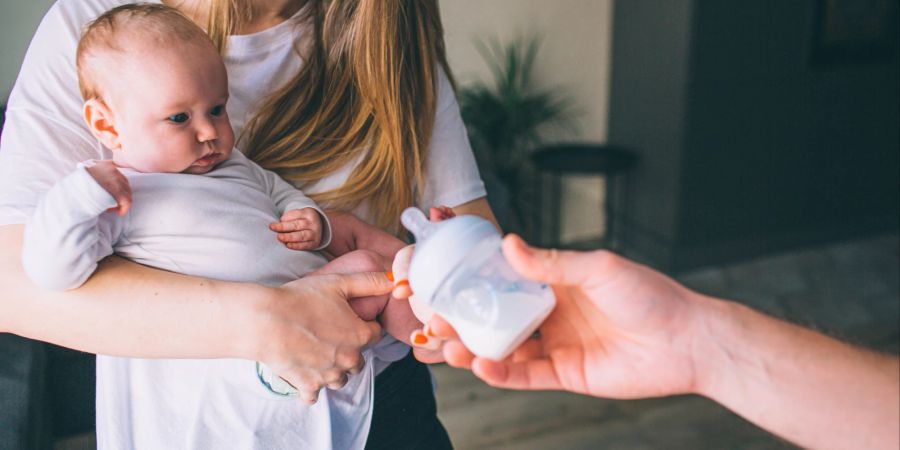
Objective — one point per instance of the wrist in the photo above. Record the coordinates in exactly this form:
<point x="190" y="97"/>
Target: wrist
<point x="712" y="354"/>
<point x="249" y="316"/>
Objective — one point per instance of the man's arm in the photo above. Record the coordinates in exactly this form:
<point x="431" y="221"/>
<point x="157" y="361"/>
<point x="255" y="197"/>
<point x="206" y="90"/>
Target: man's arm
<point x="623" y="330"/>
<point x="811" y="389"/>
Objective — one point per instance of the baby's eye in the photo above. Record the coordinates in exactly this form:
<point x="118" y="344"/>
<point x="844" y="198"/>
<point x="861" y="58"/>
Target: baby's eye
<point x="217" y="110"/>
<point x="178" y="118"/>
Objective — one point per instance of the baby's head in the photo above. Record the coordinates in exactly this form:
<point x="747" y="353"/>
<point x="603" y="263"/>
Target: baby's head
<point x="155" y="90"/>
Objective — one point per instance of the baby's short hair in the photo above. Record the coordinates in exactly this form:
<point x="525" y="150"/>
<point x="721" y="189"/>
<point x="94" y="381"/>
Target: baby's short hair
<point x="149" y="21"/>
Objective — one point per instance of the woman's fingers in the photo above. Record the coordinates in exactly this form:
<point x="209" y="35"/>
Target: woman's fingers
<point x="441" y="328"/>
<point x="337" y="381"/>
<point x="308" y="396"/>
<point x="429" y="356"/>
<point x="421" y="339"/>
<point x="400" y="269"/>
<point x="364" y="284"/>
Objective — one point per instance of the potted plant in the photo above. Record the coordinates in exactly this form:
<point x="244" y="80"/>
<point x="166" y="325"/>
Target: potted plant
<point x="505" y="120"/>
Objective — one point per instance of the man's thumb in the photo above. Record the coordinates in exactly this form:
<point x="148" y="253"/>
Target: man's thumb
<point x="553" y="266"/>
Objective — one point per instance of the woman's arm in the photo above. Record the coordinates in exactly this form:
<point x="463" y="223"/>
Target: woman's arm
<point x="127" y="309"/>
<point x="478" y="207"/>
<point x="350" y="233"/>
<point x="304" y="329"/>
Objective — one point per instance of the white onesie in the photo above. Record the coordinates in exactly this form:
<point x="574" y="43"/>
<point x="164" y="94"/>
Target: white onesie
<point x="213" y="225"/>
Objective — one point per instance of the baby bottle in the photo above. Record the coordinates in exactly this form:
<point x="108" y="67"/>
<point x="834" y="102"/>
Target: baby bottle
<point x="458" y="270"/>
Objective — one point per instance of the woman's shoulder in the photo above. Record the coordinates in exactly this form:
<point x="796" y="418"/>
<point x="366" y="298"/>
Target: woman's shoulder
<point x="78" y="12"/>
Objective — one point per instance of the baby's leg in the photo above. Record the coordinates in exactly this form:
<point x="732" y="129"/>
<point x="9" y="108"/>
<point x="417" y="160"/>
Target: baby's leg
<point x="394" y="315"/>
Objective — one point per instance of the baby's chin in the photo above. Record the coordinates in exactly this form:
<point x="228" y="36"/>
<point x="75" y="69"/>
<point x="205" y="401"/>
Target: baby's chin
<point x="194" y="170"/>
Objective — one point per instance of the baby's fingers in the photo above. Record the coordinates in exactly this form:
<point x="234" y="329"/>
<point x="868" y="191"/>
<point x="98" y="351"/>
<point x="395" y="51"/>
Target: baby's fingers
<point x="121" y="192"/>
<point x="298" y="237"/>
<point x="287" y="226"/>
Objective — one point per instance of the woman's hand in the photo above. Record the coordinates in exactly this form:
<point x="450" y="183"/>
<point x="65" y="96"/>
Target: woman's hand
<point x="619" y="329"/>
<point x="307" y="333"/>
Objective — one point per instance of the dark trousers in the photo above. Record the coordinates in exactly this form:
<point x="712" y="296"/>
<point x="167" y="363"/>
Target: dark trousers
<point x="405" y="412"/>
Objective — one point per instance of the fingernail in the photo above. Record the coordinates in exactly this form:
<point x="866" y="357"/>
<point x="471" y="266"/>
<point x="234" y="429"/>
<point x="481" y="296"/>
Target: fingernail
<point x="401" y="283"/>
<point x="428" y="332"/>
<point x="420" y="339"/>
<point x="389" y="275"/>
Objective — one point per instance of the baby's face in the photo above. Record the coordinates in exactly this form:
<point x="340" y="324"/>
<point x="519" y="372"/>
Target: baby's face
<point x="168" y="107"/>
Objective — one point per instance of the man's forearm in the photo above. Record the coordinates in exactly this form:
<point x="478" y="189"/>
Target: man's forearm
<point x="801" y="385"/>
<point x="126" y="309"/>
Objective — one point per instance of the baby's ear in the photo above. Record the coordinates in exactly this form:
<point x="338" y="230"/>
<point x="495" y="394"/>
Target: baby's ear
<point x="100" y="121"/>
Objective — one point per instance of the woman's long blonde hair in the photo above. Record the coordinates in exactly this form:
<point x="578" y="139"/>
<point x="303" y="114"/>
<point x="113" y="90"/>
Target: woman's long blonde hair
<point x="368" y="86"/>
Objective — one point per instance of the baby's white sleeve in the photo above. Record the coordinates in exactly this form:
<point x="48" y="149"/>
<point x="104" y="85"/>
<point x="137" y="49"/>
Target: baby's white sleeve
<point x="68" y="233"/>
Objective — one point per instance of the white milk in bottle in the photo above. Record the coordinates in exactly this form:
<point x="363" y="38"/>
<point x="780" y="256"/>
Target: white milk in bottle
<point x="459" y="270"/>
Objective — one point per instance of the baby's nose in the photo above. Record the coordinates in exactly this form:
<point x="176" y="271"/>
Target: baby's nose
<point x="206" y="132"/>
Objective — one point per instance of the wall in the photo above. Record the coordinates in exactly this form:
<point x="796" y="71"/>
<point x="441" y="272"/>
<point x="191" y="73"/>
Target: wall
<point x="575" y="56"/>
<point x="816" y="147"/>
<point x="747" y="147"/>
<point x="18" y="20"/>
<point x="646" y="113"/>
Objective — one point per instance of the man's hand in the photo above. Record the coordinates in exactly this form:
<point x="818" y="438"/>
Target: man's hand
<point x="107" y="175"/>
<point x="299" y="229"/>
<point x="619" y="330"/>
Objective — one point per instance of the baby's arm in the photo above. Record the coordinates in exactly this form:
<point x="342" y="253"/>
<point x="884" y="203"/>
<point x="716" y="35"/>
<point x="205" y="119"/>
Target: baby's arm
<point x="302" y="225"/>
<point x="300" y="229"/>
<point x="68" y="233"/>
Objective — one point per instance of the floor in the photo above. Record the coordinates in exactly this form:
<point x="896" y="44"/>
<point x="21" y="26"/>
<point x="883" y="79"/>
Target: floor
<point x="850" y="290"/>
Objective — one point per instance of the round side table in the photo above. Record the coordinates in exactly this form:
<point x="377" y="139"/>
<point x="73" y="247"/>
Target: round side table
<point x="557" y="161"/>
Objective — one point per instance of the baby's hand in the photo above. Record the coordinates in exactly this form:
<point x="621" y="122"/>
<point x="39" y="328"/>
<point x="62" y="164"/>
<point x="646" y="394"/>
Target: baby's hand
<point x="440" y="213"/>
<point x="299" y="229"/>
<point x="110" y="179"/>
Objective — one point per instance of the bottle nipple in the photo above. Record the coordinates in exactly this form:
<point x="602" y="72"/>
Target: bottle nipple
<point x="415" y="221"/>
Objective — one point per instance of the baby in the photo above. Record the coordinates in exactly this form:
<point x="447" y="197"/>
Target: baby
<point x="176" y="195"/>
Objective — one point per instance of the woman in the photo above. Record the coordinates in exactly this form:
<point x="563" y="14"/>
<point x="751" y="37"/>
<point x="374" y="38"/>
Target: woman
<point x="350" y="100"/>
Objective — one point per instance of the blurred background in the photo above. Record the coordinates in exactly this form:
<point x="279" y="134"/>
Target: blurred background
<point x="749" y="149"/>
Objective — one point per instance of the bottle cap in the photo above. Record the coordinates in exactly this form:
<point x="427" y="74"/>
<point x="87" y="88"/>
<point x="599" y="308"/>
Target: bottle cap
<point x="440" y="248"/>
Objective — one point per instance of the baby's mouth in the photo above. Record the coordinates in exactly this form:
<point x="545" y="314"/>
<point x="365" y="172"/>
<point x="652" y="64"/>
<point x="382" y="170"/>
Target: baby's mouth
<point x="208" y="159"/>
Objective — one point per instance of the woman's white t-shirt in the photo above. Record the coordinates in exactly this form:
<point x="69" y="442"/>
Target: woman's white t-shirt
<point x="44" y="138"/>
